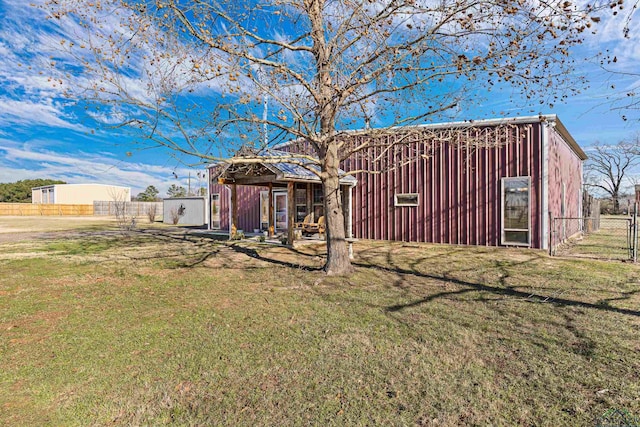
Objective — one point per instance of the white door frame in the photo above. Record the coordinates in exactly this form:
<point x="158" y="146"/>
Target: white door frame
<point x="277" y="194"/>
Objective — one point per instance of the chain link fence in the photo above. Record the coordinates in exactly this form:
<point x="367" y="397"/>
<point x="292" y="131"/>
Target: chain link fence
<point x="602" y="237"/>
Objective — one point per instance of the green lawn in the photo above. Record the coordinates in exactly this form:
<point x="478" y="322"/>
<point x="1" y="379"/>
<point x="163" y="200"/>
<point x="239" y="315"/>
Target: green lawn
<point x="160" y="328"/>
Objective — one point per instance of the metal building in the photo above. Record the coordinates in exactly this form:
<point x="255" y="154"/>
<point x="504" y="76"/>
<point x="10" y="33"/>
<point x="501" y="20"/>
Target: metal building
<point x="488" y="182"/>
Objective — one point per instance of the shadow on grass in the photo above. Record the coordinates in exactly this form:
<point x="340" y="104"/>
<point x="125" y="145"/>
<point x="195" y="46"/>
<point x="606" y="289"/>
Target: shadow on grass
<point x="497" y="290"/>
<point x="203" y="242"/>
<point x="251" y="252"/>
<point x="503" y="291"/>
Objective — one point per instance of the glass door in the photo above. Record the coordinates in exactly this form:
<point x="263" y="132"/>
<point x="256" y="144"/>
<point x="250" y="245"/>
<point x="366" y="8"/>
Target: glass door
<point x="280" y="208"/>
<point x="215" y="211"/>
<point x="264" y="210"/>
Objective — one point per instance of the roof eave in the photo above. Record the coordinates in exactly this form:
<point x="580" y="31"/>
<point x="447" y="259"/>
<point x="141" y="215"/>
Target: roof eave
<point x="549" y="118"/>
<point x="562" y="130"/>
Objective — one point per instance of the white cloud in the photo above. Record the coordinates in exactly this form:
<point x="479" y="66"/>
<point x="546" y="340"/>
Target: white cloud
<point x="46" y="113"/>
<point x="25" y="161"/>
<point x="32" y="90"/>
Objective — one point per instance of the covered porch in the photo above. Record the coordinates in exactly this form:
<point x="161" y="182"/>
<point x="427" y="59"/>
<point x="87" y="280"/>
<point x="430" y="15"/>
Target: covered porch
<point x="291" y="198"/>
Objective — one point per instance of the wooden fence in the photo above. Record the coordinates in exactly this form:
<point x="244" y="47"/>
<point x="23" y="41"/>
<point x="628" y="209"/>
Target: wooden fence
<point x="29" y="209"/>
<point x="137" y="209"/>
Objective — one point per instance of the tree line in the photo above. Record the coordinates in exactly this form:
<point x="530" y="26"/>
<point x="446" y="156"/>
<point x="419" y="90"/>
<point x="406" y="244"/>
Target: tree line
<point x="20" y="191"/>
<point x="151" y="193"/>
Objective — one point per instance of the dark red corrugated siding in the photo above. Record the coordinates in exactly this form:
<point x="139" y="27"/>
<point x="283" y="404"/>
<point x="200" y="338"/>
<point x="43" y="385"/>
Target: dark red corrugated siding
<point x="248" y="206"/>
<point x="459" y="189"/>
<point x="224" y="193"/>
<point x="565" y="167"/>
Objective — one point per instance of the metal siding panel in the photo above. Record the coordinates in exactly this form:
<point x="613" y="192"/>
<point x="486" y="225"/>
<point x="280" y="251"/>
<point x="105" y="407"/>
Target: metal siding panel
<point x="432" y="196"/>
<point x="422" y="220"/>
<point x="224" y="204"/>
<point x="413" y="214"/>
<point x="405" y="186"/>
<point x="384" y="204"/>
<point x="537" y="172"/>
<point x="426" y="225"/>
<point x="373" y="226"/>
<point x="487" y="207"/>
<point x="459" y="191"/>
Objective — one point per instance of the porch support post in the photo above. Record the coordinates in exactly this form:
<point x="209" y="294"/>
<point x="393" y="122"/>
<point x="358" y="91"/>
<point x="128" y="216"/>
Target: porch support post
<point x="271" y="224"/>
<point x="310" y="201"/>
<point x="291" y="207"/>
<point x="349" y="213"/>
<point x="234" y="210"/>
<point x="349" y="220"/>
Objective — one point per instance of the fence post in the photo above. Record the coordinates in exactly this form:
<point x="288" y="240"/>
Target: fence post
<point x="550" y="234"/>
<point x="634" y="234"/>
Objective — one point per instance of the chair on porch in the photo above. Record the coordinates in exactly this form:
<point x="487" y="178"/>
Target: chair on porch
<point x="321" y="226"/>
<point x="316" y="227"/>
<point x="305" y="223"/>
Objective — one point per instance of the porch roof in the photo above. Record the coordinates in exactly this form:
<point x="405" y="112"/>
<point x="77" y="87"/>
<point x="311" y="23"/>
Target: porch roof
<point x="273" y="166"/>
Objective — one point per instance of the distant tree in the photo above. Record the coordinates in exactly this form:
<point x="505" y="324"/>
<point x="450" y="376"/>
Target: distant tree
<point x="150" y="194"/>
<point x="20" y="191"/>
<point x="609" y="166"/>
<point x="176" y="191"/>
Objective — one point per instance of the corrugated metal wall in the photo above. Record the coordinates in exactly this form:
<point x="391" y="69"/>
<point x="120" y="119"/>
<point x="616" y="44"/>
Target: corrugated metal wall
<point x="458" y="185"/>
<point x="565" y="170"/>
<point x="248" y="206"/>
<point x="458" y="188"/>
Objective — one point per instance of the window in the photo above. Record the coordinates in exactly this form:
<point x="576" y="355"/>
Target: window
<point x="317" y="202"/>
<point x="215" y="211"/>
<point x="516" y="212"/>
<point x="406" y="199"/>
<point x="301" y="202"/>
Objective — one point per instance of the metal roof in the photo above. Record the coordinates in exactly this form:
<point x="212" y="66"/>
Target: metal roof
<point x="551" y="119"/>
<point x="288" y="166"/>
<point x="301" y="168"/>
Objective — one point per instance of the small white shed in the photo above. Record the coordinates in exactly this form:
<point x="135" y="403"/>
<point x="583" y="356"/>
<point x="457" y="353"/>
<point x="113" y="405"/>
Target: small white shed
<point x="185" y="211"/>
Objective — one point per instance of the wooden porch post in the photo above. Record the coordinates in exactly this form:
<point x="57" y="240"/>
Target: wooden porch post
<point x="291" y="207"/>
<point x="310" y="201"/>
<point x="348" y="206"/>
<point x="271" y="223"/>
<point x="234" y="210"/>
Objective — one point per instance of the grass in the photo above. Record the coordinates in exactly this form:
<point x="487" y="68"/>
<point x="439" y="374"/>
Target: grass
<point x="24" y="224"/>
<point x="160" y="328"/>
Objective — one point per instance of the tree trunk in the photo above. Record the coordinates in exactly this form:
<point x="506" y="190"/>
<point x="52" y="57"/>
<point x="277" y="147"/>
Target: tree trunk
<point x="616" y="204"/>
<point x="338" y="262"/>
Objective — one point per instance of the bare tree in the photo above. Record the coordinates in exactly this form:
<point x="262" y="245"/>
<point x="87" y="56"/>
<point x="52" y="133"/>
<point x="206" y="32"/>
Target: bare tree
<point x="121" y="207"/>
<point x="609" y="168"/>
<point x="203" y="78"/>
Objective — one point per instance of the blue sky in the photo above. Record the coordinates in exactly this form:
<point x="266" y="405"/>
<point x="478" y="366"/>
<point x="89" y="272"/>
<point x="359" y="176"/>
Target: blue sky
<point x="44" y="135"/>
